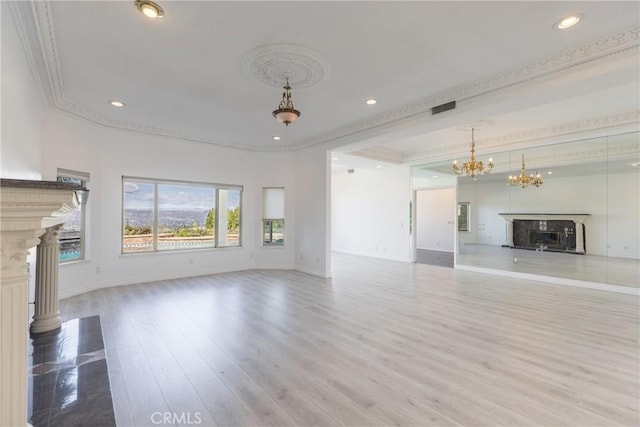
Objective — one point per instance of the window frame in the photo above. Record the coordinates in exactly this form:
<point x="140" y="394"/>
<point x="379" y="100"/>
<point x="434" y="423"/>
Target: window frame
<point x="266" y="220"/>
<point x="84" y="178"/>
<point x="154" y="227"/>
<point x="466" y="227"/>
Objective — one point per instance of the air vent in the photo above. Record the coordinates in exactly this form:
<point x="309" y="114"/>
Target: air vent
<point x="443" y="107"/>
<point x="351" y="170"/>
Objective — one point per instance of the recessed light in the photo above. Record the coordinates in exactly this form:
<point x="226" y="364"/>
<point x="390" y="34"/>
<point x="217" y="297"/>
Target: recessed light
<point x="567" y="22"/>
<point x="334" y="158"/>
<point x="276" y="138"/>
<point x="118" y="104"/>
<point x="635" y="164"/>
<point x="378" y="166"/>
<point x="435" y="176"/>
<point x="371" y="101"/>
<point x="149" y="9"/>
<point x="549" y="173"/>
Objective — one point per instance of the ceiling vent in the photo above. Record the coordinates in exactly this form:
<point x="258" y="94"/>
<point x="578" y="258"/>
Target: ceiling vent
<point x="351" y="170"/>
<point x="443" y="107"/>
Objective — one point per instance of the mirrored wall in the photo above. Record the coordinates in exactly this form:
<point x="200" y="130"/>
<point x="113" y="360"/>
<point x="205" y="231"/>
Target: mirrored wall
<point x="568" y="210"/>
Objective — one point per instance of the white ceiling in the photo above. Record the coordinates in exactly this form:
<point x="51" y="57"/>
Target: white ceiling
<point x="186" y="75"/>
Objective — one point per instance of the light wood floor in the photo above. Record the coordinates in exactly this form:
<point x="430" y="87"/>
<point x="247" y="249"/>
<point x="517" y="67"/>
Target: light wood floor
<point x="382" y="343"/>
<point x="588" y="268"/>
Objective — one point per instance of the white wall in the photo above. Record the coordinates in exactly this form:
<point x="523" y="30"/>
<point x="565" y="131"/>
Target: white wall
<point x="312" y="210"/>
<point x="22" y="108"/>
<point x="435" y="219"/>
<point x="370" y="211"/>
<point x="108" y="154"/>
<point x="612" y="201"/>
<point x="37" y="140"/>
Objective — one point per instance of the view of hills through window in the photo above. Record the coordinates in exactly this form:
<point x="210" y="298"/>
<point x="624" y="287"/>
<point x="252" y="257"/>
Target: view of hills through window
<point x="185" y="217"/>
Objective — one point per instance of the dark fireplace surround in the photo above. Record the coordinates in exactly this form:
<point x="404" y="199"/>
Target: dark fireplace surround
<point x="552" y="235"/>
<point x="546" y="232"/>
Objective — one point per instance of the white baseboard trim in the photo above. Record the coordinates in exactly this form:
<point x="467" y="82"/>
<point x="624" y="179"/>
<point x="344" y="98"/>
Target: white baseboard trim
<point x="66" y="293"/>
<point x="312" y="271"/>
<point x="554" y="280"/>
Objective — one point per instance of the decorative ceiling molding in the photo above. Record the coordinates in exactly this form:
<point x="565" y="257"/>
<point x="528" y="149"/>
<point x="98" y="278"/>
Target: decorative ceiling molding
<point x="271" y="64"/>
<point x="23" y="17"/>
<point x="379" y="153"/>
<point x="566" y="62"/>
<point x="268" y="61"/>
<point x="507" y="142"/>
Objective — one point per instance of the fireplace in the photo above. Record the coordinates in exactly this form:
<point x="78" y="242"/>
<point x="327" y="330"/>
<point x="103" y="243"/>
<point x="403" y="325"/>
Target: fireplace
<point x="550" y="232"/>
<point x="550" y="239"/>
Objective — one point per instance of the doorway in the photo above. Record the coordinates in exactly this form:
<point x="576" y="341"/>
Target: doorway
<point x="435" y="226"/>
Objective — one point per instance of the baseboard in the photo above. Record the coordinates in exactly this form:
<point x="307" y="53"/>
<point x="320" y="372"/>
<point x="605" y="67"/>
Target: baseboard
<point x="66" y="293"/>
<point x="312" y="271"/>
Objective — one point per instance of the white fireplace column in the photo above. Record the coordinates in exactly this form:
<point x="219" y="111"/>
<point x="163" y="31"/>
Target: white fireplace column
<point x="47" y="317"/>
<point x="26" y="208"/>
<point x="579" y="227"/>
<point x="510" y="232"/>
<point x="14" y="315"/>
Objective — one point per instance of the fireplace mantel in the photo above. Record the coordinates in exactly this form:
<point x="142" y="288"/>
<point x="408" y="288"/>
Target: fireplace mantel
<point x="27" y="208"/>
<point x="577" y="219"/>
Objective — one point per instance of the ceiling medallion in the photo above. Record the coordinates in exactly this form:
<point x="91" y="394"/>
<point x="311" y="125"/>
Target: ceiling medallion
<point x="272" y="64"/>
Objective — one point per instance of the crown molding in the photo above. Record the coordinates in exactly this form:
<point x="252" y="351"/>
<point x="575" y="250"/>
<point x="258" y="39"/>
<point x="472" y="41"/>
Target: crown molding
<point x="44" y="62"/>
<point x="26" y="27"/>
<point x="527" y="138"/>
<point x="569" y="61"/>
<point x="379" y="153"/>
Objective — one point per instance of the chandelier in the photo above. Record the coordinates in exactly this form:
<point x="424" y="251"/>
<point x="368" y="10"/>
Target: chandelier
<point x="472" y="167"/>
<point x="286" y="113"/>
<point x="523" y="180"/>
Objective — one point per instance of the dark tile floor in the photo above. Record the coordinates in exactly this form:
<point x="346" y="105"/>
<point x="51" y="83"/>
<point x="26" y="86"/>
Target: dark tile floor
<point x="442" y="259"/>
<point x="68" y="377"/>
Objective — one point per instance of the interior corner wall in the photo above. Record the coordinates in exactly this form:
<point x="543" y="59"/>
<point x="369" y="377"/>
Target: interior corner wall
<point x="276" y="170"/>
<point x="22" y="107"/>
<point x="312" y="207"/>
<point x="108" y="154"/>
<point x="370" y="212"/>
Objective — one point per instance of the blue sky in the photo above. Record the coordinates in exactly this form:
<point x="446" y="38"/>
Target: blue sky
<point x="139" y="195"/>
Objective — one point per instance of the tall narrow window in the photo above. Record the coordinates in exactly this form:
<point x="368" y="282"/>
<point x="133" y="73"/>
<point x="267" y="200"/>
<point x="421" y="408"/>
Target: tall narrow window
<point x="228" y="217"/>
<point x="273" y="216"/>
<point x="160" y="215"/>
<point x="463" y="216"/>
<point x="138" y="216"/>
<point x="72" y="234"/>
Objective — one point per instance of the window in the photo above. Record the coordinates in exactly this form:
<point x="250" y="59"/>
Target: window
<point x="463" y="216"/>
<point x="171" y="215"/>
<point x="273" y="216"/>
<point x="72" y="234"/>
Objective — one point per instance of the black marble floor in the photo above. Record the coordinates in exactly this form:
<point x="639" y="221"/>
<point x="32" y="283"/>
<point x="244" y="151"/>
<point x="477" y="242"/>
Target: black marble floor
<point x="68" y="377"/>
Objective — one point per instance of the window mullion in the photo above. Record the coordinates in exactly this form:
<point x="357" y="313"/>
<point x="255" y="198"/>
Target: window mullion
<point x="155" y="217"/>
